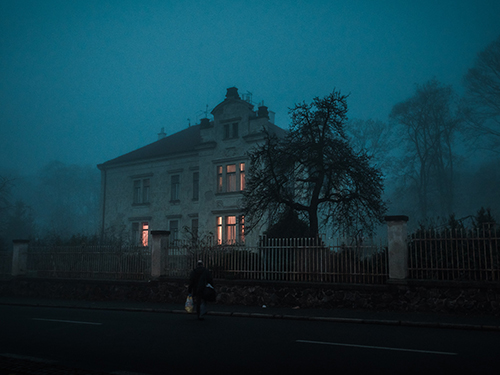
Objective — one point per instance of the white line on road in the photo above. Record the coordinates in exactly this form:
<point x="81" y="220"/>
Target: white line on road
<point x="67" y="321"/>
<point x="375" y="347"/>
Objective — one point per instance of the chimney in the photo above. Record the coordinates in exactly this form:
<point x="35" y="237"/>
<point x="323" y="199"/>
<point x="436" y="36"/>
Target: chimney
<point x="232" y="93"/>
<point x="162" y="134"/>
<point x="205" y="123"/>
<point x="263" y="112"/>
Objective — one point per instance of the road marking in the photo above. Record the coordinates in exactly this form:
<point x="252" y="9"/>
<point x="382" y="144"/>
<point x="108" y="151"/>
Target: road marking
<point x="375" y="347"/>
<point x="67" y="321"/>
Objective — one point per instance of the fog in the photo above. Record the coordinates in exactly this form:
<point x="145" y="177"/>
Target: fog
<point x="82" y="83"/>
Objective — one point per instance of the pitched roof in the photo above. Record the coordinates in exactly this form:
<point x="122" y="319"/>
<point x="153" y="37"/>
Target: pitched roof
<point x="184" y="141"/>
<point x="181" y="142"/>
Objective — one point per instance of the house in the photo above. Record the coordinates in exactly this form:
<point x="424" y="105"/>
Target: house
<point x="191" y="182"/>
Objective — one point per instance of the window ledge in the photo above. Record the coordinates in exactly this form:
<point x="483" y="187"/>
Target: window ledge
<point x="141" y="204"/>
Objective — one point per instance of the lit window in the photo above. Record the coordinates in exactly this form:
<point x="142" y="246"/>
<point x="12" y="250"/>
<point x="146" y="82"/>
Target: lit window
<point x="242" y="176"/>
<point x="242" y="229"/>
<point x="145" y="234"/>
<point x="219" y="230"/>
<point x="230" y="229"/>
<point x="140" y="233"/>
<point x="231" y="178"/>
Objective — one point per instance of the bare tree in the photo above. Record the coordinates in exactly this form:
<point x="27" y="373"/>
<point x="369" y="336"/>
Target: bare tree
<point x="481" y="104"/>
<point x="377" y="138"/>
<point x="429" y="126"/>
<point x="315" y="171"/>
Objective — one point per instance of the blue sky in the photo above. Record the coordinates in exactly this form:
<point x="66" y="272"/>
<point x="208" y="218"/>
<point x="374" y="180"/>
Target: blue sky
<point x="86" y="81"/>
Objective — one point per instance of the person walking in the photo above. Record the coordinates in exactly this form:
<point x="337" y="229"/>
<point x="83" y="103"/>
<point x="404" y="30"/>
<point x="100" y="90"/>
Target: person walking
<point x="199" y="278"/>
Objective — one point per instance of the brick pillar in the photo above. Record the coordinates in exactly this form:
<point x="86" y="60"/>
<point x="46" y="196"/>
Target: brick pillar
<point x="398" y="247"/>
<point x="19" y="257"/>
<point x="160" y="240"/>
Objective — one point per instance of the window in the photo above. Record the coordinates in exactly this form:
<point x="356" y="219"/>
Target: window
<point x="231" y="130"/>
<point x="196" y="185"/>
<point x="230" y="229"/>
<point x="230" y="178"/>
<point x="174" y="230"/>
<point x="141" y="191"/>
<point x="140" y="233"/>
<point x="242" y="176"/>
<point x="219" y="179"/>
<point x="194" y="229"/>
<point x="174" y="187"/>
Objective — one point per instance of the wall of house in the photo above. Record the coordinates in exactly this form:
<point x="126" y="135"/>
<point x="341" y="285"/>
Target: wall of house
<point x="118" y="211"/>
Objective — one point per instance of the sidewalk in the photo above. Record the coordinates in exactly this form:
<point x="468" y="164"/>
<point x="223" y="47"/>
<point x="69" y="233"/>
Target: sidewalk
<point x="434" y="320"/>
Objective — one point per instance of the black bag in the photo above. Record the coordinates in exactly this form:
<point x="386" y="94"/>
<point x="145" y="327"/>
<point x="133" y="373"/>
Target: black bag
<point x="209" y="293"/>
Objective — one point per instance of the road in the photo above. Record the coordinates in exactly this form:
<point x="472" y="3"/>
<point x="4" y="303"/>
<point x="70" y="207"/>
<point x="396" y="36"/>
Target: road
<point x="158" y="343"/>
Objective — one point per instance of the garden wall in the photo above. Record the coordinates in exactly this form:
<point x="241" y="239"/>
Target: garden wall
<point x="411" y="296"/>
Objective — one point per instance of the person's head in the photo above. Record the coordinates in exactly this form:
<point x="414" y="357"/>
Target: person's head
<point x="200" y="263"/>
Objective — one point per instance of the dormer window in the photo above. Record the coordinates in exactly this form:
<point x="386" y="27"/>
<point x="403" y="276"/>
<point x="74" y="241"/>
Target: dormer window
<point x="231" y="130"/>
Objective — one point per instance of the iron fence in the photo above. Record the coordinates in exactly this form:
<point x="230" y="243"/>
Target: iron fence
<point x="89" y="262"/>
<point x="304" y="260"/>
<point x="459" y="254"/>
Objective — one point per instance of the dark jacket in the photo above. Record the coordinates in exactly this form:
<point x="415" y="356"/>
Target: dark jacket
<point x="198" y="279"/>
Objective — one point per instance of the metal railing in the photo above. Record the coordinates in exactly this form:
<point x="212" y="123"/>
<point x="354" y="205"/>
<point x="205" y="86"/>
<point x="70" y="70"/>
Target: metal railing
<point x="89" y="262"/>
<point x="299" y="260"/>
<point x="460" y="255"/>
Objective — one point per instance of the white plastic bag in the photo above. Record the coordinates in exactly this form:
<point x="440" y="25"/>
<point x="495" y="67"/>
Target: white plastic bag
<point x="188" y="306"/>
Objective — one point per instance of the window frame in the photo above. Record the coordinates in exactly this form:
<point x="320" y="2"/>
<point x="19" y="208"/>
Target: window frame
<point x="141" y="194"/>
<point x="230" y="181"/>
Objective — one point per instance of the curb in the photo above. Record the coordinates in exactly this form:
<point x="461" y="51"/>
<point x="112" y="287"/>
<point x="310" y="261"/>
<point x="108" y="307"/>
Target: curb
<point x="403" y="323"/>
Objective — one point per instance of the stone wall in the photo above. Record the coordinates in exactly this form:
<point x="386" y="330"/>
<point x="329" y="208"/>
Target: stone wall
<point x="412" y="296"/>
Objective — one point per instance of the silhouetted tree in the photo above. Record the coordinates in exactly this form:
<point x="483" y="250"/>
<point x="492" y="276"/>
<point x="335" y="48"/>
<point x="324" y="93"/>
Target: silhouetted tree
<point x="314" y="170"/>
<point x="289" y="225"/>
<point x="482" y="98"/>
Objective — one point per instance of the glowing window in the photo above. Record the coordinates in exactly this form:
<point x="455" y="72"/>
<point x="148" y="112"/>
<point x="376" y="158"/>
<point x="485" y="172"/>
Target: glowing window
<point x="145" y="234"/>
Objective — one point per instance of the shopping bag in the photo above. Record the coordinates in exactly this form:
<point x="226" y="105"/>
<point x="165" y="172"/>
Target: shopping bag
<point x="209" y="293"/>
<point x="188" y="306"/>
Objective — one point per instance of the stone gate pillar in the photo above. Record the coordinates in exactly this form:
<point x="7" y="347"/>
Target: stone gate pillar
<point x="398" y="247"/>
<point x="19" y="257"/>
<point x="160" y="240"/>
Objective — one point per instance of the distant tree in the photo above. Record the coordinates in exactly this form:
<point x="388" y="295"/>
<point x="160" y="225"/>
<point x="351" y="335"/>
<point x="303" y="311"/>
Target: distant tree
<point x="429" y="123"/>
<point x="21" y="222"/>
<point x="377" y="138"/>
<point x="67" y="199"/>
<point x="481" y="105"/>
<point x="314" y="170"/>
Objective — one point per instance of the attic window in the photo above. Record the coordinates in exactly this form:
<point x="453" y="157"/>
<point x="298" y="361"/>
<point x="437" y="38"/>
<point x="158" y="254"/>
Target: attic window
<point x="231" y="130"/>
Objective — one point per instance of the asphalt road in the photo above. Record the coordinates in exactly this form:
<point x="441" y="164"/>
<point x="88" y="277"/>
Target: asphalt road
<point x="122" y="342"/>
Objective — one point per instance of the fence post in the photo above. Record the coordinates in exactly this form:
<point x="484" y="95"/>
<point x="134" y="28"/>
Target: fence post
<point x="19" y="257"/>
<point x="398" y="247"/>
<point x="160" y="238"/>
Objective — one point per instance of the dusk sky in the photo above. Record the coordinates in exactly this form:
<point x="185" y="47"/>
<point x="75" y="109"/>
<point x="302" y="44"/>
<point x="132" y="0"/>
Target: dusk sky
<point x="83" y="82"/>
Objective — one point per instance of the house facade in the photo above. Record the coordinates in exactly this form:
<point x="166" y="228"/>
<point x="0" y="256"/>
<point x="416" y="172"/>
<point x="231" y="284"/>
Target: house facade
<point x="191" y="182"/>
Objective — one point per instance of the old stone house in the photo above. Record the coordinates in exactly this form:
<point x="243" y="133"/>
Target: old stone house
<point x="190" y="182"/>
